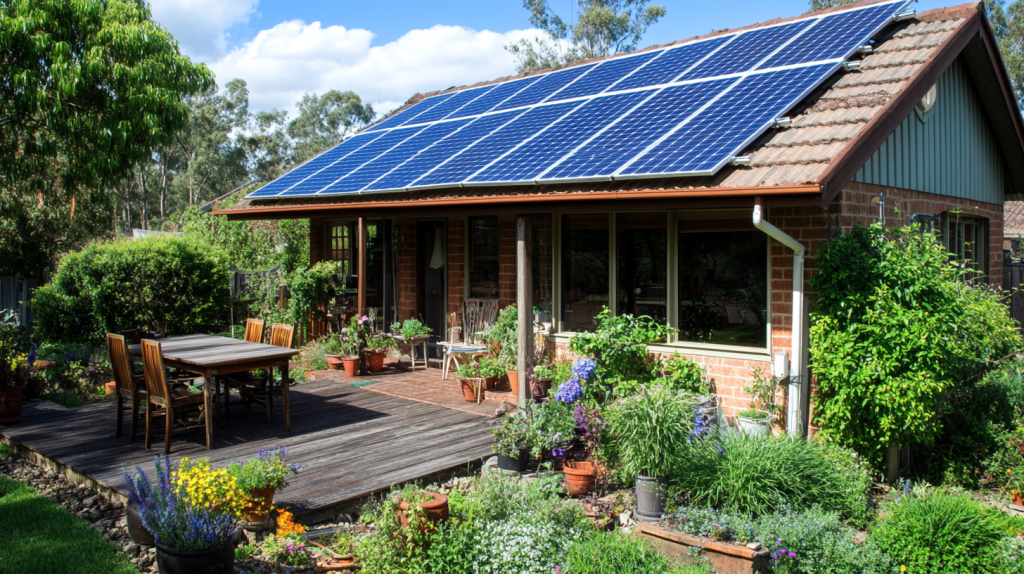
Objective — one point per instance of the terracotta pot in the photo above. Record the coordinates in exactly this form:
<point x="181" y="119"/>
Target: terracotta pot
<point x="259" y="505"/>
<point x="491" y="383"/>
<point x="375" y="361"/>
<point x="469" y="389"/>
<point x="437" y="511"/>
<point x="10" y="405"/>
<point x="136" y="529"/>
<point x="110" y="388"/>
<point x="580" y="477"/>
<point x="541" y="387"/>
<point x="351" y="366"/>
<point x="213" y="561"/>
<point x="333" y="362"/>
<point x="513" y="381"/>
<point x="1018" y="500"/>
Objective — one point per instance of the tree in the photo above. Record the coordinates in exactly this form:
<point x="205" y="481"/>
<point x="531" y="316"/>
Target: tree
<point x="826" y="4"/>
<point x="1008" y="25"/>
<point x="89" y="89"/>
<point x="600" y="28"/>
<point x="326" y="121"/>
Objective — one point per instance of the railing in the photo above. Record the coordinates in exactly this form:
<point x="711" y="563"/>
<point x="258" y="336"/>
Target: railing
<point x="14" y="293"/>
<point x="1013" y="282"/>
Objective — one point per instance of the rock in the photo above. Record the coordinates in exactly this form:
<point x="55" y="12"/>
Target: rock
<point x="504" y="408"/>
<point x="131" y="549"/>
<point x="755" y="546"/>
<point x="624" y="518"/>
<point x="117" y="505"/>
<point x="91" y="501"/>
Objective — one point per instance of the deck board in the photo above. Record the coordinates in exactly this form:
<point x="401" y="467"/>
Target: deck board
<point x="351" y="442"/>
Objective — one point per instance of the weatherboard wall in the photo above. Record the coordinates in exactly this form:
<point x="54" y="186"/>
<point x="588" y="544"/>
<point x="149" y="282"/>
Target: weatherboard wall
<point x="950" y="150"/>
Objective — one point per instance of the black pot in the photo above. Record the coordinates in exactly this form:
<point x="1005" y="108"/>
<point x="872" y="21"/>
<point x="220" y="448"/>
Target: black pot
<point x="514" y="464"/>
<point x="650" y="498"/>
<point x="213" y="561"/>
<point x="136" y="529"/>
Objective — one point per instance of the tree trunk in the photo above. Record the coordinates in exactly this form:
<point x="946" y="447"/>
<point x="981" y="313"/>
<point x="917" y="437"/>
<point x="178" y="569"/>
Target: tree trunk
<point x="163" y="182"/>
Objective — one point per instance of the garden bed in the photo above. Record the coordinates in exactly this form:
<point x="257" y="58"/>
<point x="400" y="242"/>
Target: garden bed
<point x="724" y="557"/>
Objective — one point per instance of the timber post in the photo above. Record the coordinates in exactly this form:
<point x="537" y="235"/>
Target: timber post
<point x="524" y="289"/>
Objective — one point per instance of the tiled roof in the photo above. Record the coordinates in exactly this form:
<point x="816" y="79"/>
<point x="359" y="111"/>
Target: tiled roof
<point x="824" y="125"/>
<point x="1013" y="219"/>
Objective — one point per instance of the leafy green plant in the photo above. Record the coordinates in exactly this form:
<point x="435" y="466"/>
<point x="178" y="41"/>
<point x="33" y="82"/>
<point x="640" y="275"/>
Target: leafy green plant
<point x="244" y="552"/>
<point x="619" y="345"/>
<point x="267" y="469"/>
<point x="452" y="549"/>
<point x="552" y="427"/>
<point x="411" y="328"/>
<point x="288" y="550"/>
<point x="499" y="497"/>
<point x="942" y="532"/>
<point x="378" y="342"/>
<point x="505" y="332"/>
<point x="613" y="553"/>
<point x="543" y="372"/>
<point x="814" y="541"/>
<point x="312" y="355"/>
<point x="15" y="348"/>
<point x="758" y="475"/>
<point x="895" y="329"/>
<point x="678" y="372"/>
<point x="763" y="393"/>
<point x="481" y="368"/>
<point x="651" y="429"/>
<point x="513" y="435"/>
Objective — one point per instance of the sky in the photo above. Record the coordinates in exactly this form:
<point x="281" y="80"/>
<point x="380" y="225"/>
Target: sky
<point x="388" y="50"/>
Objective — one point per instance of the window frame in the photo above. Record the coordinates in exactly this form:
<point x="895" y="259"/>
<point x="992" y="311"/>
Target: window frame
<point x="980" y="227"/>
<point x="468" y="250"/>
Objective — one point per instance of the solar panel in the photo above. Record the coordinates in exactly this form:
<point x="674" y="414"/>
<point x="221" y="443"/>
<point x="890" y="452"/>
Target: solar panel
<point x="677" y="111"/>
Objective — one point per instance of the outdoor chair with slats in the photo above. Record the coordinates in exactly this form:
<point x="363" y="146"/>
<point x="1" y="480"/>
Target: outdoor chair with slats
<point x="263" y="391"/>
<point x="127" y="382"/>
<point x="253" y="334"/>
<point x="162" y="399"/>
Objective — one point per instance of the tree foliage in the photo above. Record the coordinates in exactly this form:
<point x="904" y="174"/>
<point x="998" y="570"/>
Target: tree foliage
<point x="326" y="121"/>
<point x="895" y="328"/>
<point x="599" y="28"/>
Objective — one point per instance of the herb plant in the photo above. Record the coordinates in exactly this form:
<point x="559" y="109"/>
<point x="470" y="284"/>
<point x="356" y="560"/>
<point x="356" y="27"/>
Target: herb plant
<point x="764" y="392"/>
<point x="411" y="328"/>
<point x="268" y="470"/>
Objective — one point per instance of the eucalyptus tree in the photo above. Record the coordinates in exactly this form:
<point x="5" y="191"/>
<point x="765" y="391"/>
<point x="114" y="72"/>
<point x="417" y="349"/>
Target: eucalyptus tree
<point x="327" y="120"/>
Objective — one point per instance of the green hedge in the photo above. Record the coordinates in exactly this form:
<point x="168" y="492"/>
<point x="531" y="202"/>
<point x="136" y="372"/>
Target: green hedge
<point x="169" y="284"/>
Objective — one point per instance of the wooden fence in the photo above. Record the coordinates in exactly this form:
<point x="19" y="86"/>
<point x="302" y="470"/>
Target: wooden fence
<point x="14" y="293"/>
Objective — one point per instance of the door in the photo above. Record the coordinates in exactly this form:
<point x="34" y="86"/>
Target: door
<point x="432" y="267"/>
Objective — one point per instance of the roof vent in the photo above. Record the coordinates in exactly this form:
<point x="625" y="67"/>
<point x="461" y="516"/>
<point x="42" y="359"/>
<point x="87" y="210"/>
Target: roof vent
<point x="865" y="49"/>
<point x="783" y="123"/>
<point x="904" y="16"/>
<point x="740" y="160"/>
<point x="851" y="66"/>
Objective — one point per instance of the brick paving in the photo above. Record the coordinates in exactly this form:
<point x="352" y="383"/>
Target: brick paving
<point x="422" y="385"/>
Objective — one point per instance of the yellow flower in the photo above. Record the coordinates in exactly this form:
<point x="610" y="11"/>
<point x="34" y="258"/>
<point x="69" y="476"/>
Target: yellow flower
<point x="903" y="568"/>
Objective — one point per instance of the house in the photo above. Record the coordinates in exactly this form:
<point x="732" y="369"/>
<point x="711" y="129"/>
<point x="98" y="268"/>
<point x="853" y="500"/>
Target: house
<point x="923" y="127"/>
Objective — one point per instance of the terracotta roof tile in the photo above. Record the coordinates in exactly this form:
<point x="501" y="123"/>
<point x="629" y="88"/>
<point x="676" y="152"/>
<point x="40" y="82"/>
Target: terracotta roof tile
<point x="1013" y="219"/>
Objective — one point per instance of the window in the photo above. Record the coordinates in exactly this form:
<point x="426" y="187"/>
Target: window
<point x="341" y="240"/>
<point x="542" y="252"/>
<point x="966" y="238"/>
<point x="483" y="258"/>
<point x="585" y="270"/>
<point x="723" y="280"/>
<point x="640" y="248"/>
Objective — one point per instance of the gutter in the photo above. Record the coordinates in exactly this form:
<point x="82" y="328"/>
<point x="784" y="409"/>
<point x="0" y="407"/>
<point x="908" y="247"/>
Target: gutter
<point x="799" y="389"/>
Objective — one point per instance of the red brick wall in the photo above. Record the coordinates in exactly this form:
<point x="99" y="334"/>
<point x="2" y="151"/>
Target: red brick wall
<point x="456" y="265"/>
<point x="406" y="259"/>
<point x="507" y="261"/>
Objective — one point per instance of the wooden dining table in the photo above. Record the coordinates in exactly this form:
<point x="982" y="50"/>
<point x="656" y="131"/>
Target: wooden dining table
<point x="211" y="355"/>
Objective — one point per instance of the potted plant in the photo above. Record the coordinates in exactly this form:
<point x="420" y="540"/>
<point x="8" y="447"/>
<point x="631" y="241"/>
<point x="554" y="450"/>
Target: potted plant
<point x="581" y="476"/>
<point x="472" y="377"/>
<point x="289" y="554"/>
<point x="1015" y="485"/>
<point x="420" y="508"/>
<point x="17" y="354"/>
<point x="542" y="375"/>
<point x="411" y="329"/>
<point x="512" y="442"/>
<point x="650" y="429"/>
<point x="376" y="345"/>
<point x="347" y="351"/>
<point x="333" y="351"/>
<point x="504" y="338"/>
<point x="189" y="536"/>
<point x="260" y="478"/>
<point x="763" y="392"/>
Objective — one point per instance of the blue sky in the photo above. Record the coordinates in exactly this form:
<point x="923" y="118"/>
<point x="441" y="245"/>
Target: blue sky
<point x="388" y="50"/>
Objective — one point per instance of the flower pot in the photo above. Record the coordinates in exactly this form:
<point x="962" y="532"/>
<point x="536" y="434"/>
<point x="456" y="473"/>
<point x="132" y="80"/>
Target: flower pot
<point x="469" y="387"/>
<point x="514" y="464"/>
<point x="334" y="362"/>
<point x="139" y="533"/>
<point x="580" y="477"/>
<point x="260" y="504"/>
<point x="436" y="511"/>
<point x="212" y="561"/>
<point x="541" y="387"/>
<point x="513" y="381"/>
<point x="110" y="388"/>
<point x="650" y="498"/>
<point x="286" y="569"/>
<point x="755" y="427"/>
<point x="375" y="361"/>
<point x="351" y="366"/>
<point x="1018" y="500"/>
<point x="10" y="405"/>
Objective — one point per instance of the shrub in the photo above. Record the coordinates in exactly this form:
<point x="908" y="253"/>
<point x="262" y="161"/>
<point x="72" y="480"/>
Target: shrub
<point x="895" y="328"/>
<point x="651" y="429"/>
<point x="942" y="532"/>
<point x="613" y="553"/>
<point x="521" y="545"/>
<point x="816" y="542"/>
<point x="168" y="284"/>
<point x="619" y="344"/>
<point x="310" y="288"/>
<point x="500" y="498"/>
<point x="759" y="475"/>
<point x="505" y="332"/>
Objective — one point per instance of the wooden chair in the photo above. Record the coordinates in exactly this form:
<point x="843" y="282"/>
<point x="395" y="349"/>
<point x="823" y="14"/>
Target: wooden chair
<point x="126" y="382"/>
<point x="265" y="390"/>
<point x="161" y="398"/>
<point x="253" y="334"/>
<point x="455" y="351"/>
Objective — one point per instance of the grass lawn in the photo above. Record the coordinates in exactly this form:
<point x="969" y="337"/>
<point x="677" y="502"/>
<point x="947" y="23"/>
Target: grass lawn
<point x="38" y="536"/>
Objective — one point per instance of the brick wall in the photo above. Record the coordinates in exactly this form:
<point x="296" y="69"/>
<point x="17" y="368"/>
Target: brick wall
<point x="456" y="265"/>
<point x="406" y="259"/>
<point x="507" y="261"/>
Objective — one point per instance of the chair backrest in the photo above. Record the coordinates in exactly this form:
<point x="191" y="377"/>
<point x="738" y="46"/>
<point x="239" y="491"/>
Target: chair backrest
<point x="118" y="351"/>
<point x="153" y="367"/>
<point x="254" y="330"/>
<point x="453" y="336"/>
<point x="281" y="335"/>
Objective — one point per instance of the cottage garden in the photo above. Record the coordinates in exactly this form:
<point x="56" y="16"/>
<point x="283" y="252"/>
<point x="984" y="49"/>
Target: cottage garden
<point x="622" y="452"/>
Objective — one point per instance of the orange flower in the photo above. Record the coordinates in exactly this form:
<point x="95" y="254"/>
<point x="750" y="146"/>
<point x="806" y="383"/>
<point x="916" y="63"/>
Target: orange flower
<point x="286" y="526"/>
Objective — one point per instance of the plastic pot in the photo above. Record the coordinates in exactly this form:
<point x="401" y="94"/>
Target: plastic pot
<point x="650" y="498"/>
<point x="212" y="561"/>
<point x="514" y="464"/>
<point x="375" y="361"/>
<point x="755" y="427"/>
<point x="136" y="529"/>
<point x="580" y="477"/>
<point x="351" y="366"/>
<point x="259" y="506"/>
<point x="10" y="405"/>
<point x="333" y="362"/>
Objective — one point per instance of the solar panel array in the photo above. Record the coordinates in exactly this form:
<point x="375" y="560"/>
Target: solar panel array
<point x="683" y="110"/>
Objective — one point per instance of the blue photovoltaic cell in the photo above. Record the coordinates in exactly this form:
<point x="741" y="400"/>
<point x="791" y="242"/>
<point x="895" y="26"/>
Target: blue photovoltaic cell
<point x="603" y="76"/>
<point x="436" y="154"/>
<point x="670" y="65"/>
<point x="317" y="181"/>
<point x="705" y="143"/>
<point x="496" y="144"/>
<point x="314" y="165"/>
<point x="544" y="87"/>
<point x="531" y="159"/>
<point x="494" y="98"/>
<point x="746" y="51"/>
<point x="408" y="115"/>
<point x="453" y="103"/>
<point x="368" y="173"/>
<point x="638" y="130"/>
<point x="834" y="36"/>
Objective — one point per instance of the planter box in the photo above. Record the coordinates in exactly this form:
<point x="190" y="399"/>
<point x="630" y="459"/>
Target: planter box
<point x="726" y="558"/>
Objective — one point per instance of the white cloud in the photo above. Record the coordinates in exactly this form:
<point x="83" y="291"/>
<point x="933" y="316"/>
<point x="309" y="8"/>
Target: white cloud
<point x="284" y="62"/>
<point x="200" y="25"/>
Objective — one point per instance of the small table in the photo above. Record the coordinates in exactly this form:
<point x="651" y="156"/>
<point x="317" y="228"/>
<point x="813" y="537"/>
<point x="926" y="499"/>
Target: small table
<point x="211" y="355"/>
<point x="413" y="342"/>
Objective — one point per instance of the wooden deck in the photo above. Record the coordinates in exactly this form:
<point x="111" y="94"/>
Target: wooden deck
<point x="351" y="443"/>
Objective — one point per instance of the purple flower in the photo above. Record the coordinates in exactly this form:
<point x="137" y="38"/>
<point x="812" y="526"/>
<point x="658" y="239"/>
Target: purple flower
<point x="779" y="541"/>
<point x="557" y="452"/>
<point x="570" y="391"/>
<point x="584" y="368"/>
<point x="792" y="554"/>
